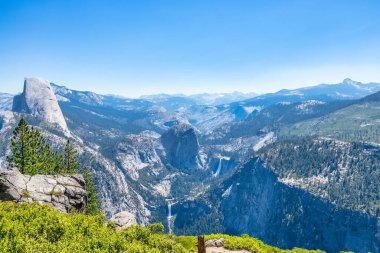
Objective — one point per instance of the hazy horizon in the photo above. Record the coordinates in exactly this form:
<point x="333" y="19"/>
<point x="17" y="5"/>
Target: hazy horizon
<point x="182" y="94"/>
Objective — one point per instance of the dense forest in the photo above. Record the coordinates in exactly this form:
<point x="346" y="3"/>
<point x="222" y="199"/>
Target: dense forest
<point x="345" y="173"/>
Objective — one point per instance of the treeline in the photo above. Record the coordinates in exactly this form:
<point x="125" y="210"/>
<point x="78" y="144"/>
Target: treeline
<point x="31" y="154"/>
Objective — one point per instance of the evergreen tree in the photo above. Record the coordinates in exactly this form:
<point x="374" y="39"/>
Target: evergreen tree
<point x="93" y="201"/>
<point x="71" y="163"/>
<point x="19" y="146"/>
<point x="59" y="162"/>
<point x="31" y="154"/>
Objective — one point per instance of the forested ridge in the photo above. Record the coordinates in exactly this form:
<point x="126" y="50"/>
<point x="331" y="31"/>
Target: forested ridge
<point x="345" y="173"/>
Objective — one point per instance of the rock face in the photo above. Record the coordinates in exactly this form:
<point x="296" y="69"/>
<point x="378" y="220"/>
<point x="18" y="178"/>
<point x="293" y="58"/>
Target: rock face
<point x="182" y="147"/>
<point x="253" y="201"/>
<point x="5" y="102"/>
<point x="38" y="99"/>
<point x="123" y="220"/>
<point x="65" y="193"/>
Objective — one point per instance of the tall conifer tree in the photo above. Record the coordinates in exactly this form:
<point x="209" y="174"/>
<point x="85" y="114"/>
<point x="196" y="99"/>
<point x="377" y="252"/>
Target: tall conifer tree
<point x="31" y="154"/>
<point x="71" y="164"/>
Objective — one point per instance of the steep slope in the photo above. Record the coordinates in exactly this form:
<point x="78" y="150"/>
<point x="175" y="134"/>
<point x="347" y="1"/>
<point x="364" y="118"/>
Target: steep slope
<point x="130" y="165"/>
<point x="147" y="158"/>
<point x="182" y="147"/>
<point x="39" y="100"/>
<point x="6" y="101"/>
<point x="358" y="122"/>
<point x="253" y="201"/>
<point x="343" y="173"/>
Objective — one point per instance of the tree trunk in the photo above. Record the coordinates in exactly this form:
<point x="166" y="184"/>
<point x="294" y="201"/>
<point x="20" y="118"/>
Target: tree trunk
<point x="201" y="244"/>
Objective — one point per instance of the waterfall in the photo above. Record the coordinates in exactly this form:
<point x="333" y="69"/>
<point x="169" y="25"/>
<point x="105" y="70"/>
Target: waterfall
<point x="219" y="167"/>
<point x="170" y="217"/>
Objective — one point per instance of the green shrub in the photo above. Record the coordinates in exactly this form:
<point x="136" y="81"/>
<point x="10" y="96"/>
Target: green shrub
<point x="245" y="242"/>
<point x="31" y="227"/>
<point x="26" y="194"/>
<point x="156" y="228"/>
<point x="39" y="228"/>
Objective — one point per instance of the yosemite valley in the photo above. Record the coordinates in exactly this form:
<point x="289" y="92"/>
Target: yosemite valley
<point x="294" y="168"/>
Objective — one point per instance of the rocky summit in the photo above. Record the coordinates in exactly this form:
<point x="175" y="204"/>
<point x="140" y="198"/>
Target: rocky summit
<point x="39" y="100"/>
<point x="182" y="147"/>
<point x="65" y="193"/>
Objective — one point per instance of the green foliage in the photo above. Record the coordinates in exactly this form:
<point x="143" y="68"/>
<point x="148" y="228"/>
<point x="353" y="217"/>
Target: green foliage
<point x="30" y="151"/>
<point x="347" y="174"/>
<point x="358" y="122"/>
<point x="71" y="163"/>
<point x="156" y="228"/>
<point x="40" y="228"/>
<point x="93" y="200"/>
<point x="238" y="243"/>
<point x="26" y="194"/>
<point x="32" y="155"/>
<point x="31" y="227"/>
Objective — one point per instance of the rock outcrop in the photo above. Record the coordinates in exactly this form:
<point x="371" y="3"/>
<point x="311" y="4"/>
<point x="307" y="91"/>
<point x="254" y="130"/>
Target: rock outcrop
<point x="182" y="147"/>
<point x="65" y="193"/>
<point x="123" y="220"/>
<point x="215" y="243"/>
<point x="39" y="100"/>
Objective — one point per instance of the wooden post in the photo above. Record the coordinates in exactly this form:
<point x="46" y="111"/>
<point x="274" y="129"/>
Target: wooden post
<point x="201" y="244"/>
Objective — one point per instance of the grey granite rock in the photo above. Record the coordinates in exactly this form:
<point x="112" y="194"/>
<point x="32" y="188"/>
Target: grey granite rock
<point x="123" y="220"/>
<point x="38" y="99"/>
<point x="215" y="242"/>
<point x="66" y="193"/>
<point x="182" y="147"/>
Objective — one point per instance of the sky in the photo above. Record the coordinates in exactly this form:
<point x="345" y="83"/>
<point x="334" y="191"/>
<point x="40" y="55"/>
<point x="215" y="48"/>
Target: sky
<point x="136" y="47"/>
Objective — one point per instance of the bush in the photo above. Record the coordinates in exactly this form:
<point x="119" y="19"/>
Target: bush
<point x="40" y="228"/>
<point x="156" y="228"/>
<point x="31" y="227"/>
<point x="239" y="243"/>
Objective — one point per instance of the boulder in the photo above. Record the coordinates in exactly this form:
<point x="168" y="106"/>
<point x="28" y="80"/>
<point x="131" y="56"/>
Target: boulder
<point x="123" y="220"/>
<point x="65" y="193"/>
<point x="215" y="242"/>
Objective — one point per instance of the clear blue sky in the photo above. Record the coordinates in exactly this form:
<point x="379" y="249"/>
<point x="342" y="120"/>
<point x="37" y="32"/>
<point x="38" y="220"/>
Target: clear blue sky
<point x="135" y="47"/>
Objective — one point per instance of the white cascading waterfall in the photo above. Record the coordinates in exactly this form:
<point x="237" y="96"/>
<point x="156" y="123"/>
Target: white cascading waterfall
<point x="170" y="217"/>
<point x="217" y="172"/>
<point x="219" y="169"/>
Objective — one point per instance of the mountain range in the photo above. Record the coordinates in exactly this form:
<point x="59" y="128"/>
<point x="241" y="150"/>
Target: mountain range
<point x="295" y="168"/>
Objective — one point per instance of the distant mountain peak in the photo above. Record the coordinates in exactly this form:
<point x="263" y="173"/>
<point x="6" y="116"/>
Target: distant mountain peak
<point x="38" y="99"/>
<point x="355" y="84"/>
<point x="348" y="81"/>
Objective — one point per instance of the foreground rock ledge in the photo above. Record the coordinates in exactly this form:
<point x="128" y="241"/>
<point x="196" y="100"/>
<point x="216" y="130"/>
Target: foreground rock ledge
<point x="65" y="193"/>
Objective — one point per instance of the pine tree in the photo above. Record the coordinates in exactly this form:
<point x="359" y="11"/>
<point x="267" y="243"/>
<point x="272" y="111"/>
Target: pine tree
<point x="71" y="163"/>
<point x="93" y="201"/>
<point x="31" y="154"/>
<point x="59" y="162"/>
<point x="19" y="142"/>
